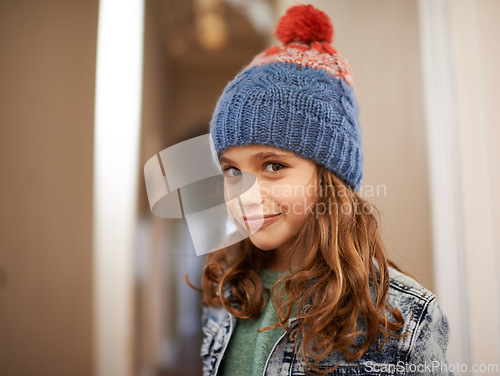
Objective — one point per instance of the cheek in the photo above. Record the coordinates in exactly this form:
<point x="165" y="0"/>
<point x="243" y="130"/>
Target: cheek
<point x="298" y="205"/>
<point x="234" y="210"/>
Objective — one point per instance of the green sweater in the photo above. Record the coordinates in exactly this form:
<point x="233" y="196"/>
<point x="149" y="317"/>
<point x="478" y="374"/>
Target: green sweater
<point x="247" y="350"/>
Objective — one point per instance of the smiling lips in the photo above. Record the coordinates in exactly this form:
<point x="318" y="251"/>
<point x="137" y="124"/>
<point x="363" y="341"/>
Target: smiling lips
<point x="260" y="221"/>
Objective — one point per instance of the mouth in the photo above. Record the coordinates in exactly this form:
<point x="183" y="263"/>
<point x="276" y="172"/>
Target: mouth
<point x="260" y="221"/>
<point x="259" y="217"/>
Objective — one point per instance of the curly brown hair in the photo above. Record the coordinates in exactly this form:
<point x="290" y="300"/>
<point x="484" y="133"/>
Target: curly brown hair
<point x="330" y="286"/>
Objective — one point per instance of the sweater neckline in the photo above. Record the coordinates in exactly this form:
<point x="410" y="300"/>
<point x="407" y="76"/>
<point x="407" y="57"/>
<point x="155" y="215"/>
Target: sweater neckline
<point x="270" y="277"/>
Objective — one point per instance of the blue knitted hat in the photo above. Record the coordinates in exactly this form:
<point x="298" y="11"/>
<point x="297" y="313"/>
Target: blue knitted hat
<point x="298" y="96"/>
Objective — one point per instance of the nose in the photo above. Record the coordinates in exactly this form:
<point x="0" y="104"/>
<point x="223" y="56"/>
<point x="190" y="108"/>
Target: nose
<point x="253" y="196"/>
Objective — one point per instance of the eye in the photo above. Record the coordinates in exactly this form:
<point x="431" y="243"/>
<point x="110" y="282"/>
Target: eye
<point x="274" y="167"/>
<point x="231" y="172"/>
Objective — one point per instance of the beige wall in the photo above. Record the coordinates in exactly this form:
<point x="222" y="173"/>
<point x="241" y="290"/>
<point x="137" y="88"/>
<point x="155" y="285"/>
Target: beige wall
<point x="380" y="39"/>
<point x="490" y="29"/>
<point x="47" y="74"/>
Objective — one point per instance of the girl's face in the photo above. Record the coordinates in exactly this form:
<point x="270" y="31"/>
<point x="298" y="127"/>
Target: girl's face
<point x="288" y="187"/>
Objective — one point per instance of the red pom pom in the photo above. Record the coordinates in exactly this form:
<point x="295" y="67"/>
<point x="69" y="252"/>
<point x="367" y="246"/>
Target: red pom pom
<point x="304" y="23"/>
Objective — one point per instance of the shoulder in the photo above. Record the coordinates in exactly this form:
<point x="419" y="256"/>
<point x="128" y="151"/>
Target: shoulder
<point x="411" y="298"/>
<point x="405" y="292"/>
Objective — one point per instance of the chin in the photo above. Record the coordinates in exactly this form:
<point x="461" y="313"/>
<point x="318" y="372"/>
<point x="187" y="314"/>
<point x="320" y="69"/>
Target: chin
<point x="262" y="244"/>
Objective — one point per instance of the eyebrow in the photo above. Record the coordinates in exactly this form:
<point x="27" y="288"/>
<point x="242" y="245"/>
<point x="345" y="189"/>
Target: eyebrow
<point x="261" y="155"/>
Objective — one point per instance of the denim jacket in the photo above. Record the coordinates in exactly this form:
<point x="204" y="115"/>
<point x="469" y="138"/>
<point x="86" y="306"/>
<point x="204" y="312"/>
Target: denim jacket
<point x="422" y="352"/>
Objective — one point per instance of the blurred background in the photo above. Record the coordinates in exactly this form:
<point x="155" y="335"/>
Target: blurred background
<point x="91" y="283"/>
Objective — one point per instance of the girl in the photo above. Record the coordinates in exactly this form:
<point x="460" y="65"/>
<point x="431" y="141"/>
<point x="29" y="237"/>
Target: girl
<point x="310" y="290"/>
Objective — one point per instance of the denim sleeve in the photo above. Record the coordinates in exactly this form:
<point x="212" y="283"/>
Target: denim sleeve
<point x="428" y="352"/>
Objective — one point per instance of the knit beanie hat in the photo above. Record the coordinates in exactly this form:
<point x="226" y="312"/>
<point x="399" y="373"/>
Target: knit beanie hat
<point x="297" y="96"/>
